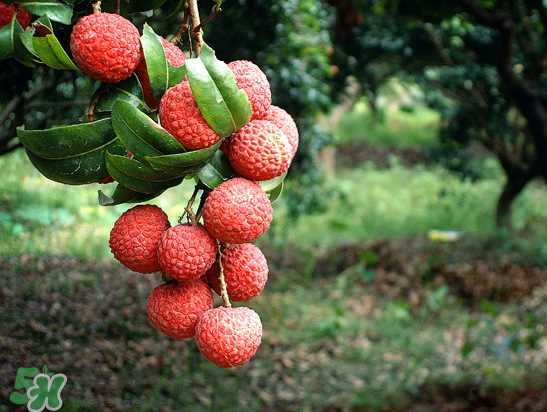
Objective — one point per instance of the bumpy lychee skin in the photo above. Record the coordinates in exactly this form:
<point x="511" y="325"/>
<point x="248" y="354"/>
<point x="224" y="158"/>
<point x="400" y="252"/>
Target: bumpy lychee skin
<point x="174" y="308"/>
<point x="135" y="237"/>
<point x="245" y="272"/>
<point x="250" y="78"/>
<point x="106" y="47"/>
<point x="8" y="10"/>
<point x="180" y="116"/>
<point x="229" y="337"/>
<point x="237" y="211"/>
<point x="259" y="151"/>
<point x="186" y="252"/>
<point x="174" y="56"/>
<point x="285" y="122"/>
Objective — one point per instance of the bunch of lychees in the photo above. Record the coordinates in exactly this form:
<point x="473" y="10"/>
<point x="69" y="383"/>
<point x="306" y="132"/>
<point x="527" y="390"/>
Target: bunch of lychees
<point x="213" y="249"/>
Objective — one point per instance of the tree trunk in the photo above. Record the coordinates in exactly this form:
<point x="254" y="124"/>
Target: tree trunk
<point x="514" y="185"/>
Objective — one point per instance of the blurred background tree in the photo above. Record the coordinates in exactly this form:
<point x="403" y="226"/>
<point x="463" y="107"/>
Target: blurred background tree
<point x="481" y="65"/>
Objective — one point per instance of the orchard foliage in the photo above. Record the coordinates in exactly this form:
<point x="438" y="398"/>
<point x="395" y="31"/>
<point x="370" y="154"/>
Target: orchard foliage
<point x="481" y="63"/>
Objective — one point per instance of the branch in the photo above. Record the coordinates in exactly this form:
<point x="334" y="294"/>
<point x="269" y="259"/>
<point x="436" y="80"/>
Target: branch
<point x="196" y="25"/>
<point x="10" y="108"/>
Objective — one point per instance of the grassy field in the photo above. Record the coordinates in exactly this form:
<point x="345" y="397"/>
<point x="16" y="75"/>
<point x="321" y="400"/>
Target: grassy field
<point x="362" y="309"/>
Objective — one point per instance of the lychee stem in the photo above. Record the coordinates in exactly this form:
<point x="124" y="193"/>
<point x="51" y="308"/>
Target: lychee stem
<point x="196" y="25"/>
<point x="97" y="7"/>
<point x="188" y="209"/>
<point x="223" y="289"/>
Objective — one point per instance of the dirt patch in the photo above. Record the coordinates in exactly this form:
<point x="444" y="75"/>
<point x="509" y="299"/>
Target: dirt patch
<point x="351" y="154"/>
<point x="404" y="268"/>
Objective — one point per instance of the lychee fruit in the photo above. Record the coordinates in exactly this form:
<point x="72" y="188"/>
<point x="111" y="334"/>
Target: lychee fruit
<point x="106" y="47"/>
<point x="254" y="82"/>
<point x="237" y="211"/>
<point x="259" y="151"/>
<point x="285" y="122"/>
<point x="180" y="116"/>
<point x="174" y="308"/>
<point x="174" y="56"/>
<point x="245" y="272"/>
<point x="135" y="237"/>
<point x="186" y="252"/>
<point x="8" y="10"/>
<point x="229" y="337"/>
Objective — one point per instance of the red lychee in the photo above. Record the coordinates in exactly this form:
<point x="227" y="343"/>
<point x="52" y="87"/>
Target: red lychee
<point x="135" y="237"/>
<point x="237" y="211"/>
<point x="245" y="272"/>
<point x="174" y="56"/>
<point x="180" y="116"/>
<point x="186" y="252"/>
<point x="250" y="78"/>
<point x="229" y="337"/>
<point x="259" y="151"/>
<point x="8" y="10"/>
<point x="174" y="308"/>
<point x="106" y="47"/>
<point x="285" y="122"/>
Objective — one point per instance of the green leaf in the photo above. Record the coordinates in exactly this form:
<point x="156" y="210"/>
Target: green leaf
<point x="140" y="134"/>
<point x="54" y="10"/>
<point x="86" y="168"/>
<point x="216" y="171"/>
<point x="235" y="98"/>
<point x="273" y="187"/>
<point x="136" y="169"/>
<point x="183" y="163"/>
<point x="67" y="141"/>
<point x="129" y="90"/>
<point x="124" y="195"/>
<point x="131" y="177"/>
<point x="212" y="106"/>
<point x="47" y="47"/>
<point x="161" y="74"/>
<point x="11" y="43"/>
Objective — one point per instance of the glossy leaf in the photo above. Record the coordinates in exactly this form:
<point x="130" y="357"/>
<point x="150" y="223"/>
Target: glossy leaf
<point x="54" y="10"/>
<point x="67" y="141"/>
<point x="124" y="195"/>
<point x="48" y="49"/>
<point x="161" y="74"/>
<point x="235" y="98"/>
<point x="216" y="171"/>
<point x="182" y="162"/>
<point x="140" y="134"/>
<point x="11" y="43"/>
<point x="212" y="106"/>
<point x="129" y="90"/>
<point x="86" y="168"/>
<point x="136" y="169"/>
<point x="130" y="178"/>
<point x="273" y="187"/>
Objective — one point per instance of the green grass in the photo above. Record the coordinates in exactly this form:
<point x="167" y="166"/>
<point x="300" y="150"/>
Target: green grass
<point x="402" y="202"/>
<point x="39" y="217"/>
<point x="399" y="128"/>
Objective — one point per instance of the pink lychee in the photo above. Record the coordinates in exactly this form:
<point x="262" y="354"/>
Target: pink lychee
<point x="180" y="116"/>
<point x="245" y="271"/>
<point x="135" y="237"/>
<point x="250" y="78"/>
<point x="186" y="252"/>
<point x="259" y="151"/>
<point x="106" y="46"/>
<point x="174" y="308"/>
<point x="237" y="211"/>
<point x="285" y="122"/>
<point x="229" y="337"/>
